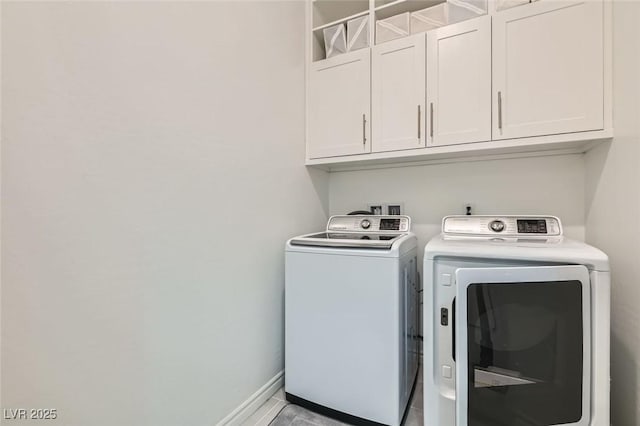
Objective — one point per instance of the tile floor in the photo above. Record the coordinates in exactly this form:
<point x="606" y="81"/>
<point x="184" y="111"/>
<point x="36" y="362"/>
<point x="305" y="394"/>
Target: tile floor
<point x="270" y="409"/>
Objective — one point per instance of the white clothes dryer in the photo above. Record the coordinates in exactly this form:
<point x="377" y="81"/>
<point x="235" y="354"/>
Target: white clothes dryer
<point x="516" y="325"/>
<point x="351" y="316"/>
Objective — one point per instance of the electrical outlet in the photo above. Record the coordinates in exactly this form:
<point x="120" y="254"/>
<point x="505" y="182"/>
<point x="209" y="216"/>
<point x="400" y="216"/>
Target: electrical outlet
<point x="395" y="209"/>
<point x="376" y="208"/>
<point x="386" y="208"/>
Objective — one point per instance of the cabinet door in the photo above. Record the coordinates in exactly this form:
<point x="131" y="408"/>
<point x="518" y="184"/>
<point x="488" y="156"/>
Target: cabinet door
<point x="398" y="94"/>
<point x="459" y="83"/>
<point x="339" y="105"/>
<point x="548" y="69"/>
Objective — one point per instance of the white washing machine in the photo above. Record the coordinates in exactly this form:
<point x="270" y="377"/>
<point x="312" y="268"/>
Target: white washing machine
<point x="516" y="325"/>
<point x="351" y="316"/>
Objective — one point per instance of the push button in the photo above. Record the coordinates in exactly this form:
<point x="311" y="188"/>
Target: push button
<point x="445" y="279"/>
<point x="446" y="371"/>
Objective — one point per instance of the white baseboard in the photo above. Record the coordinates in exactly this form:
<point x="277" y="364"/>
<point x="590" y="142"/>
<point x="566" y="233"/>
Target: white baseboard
<point x="255" y="401"/>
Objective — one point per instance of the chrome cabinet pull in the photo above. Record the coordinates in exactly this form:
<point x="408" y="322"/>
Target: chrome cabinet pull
<point x="364" y="129"/>
<point x="431" y="120"/>
<point x="500" y="110"/>
<point x="419" y="122"/>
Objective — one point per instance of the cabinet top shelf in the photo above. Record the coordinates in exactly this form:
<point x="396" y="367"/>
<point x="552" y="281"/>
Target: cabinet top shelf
<point x="326" y="12"/>
<point x="400" y="6"/>
<point x="339" y="21"/>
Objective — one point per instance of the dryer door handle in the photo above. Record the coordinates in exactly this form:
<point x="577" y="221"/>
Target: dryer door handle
<point x="453" y="329"/>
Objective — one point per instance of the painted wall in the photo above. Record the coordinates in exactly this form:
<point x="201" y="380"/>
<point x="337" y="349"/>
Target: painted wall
<point x="612" y="211"/>
<point x="152" y="168"/>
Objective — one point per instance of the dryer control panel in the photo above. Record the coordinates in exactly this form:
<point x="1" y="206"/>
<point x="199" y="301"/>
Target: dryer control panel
<point x="507" y="226"/>
<point x="369" y="223"/>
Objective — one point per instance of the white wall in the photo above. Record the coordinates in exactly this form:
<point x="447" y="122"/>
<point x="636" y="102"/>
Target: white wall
<point x="538" y="185"/>
<point x="152" y="168"/>
<point x="613" y="212"/>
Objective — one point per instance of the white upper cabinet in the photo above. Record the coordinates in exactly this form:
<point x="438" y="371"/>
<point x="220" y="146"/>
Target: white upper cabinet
<point x="338" y="107"/>
<point x="398" y="94"/>
<point x="459" y="83"/>
<point x="548" y="61"/>
<point x="527" y="77"/>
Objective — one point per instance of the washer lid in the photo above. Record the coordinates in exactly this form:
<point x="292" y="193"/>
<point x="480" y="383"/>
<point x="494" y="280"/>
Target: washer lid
<point x="348" y="240"/>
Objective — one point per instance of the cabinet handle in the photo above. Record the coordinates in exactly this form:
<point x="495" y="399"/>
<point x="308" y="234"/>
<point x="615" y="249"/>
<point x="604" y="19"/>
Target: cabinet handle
<point x="431" y="120"/>
<point x="419" y="122"/>
<point x="500" y="110"/>
<point x="364" y="129"/>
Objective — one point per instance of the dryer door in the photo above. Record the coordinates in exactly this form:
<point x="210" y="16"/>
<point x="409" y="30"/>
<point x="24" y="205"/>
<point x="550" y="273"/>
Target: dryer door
<point x="523" y="346"/>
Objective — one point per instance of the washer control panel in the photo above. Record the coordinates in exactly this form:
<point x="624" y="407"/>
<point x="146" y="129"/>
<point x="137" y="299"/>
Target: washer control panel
<point x="511" y="226"/>
<point x="369" y="223"/>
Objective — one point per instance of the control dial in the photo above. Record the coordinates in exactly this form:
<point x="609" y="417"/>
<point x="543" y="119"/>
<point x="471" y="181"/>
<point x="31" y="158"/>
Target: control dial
<point x="496" y="226"/>
<point x="366" y="224"/>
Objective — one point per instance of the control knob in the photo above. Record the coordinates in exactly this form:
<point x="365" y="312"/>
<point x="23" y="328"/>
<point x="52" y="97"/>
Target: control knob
<point x="497" y="226"/>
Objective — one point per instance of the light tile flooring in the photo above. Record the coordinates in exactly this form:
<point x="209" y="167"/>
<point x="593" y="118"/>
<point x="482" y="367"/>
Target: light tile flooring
<point x="270" y="409"/>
